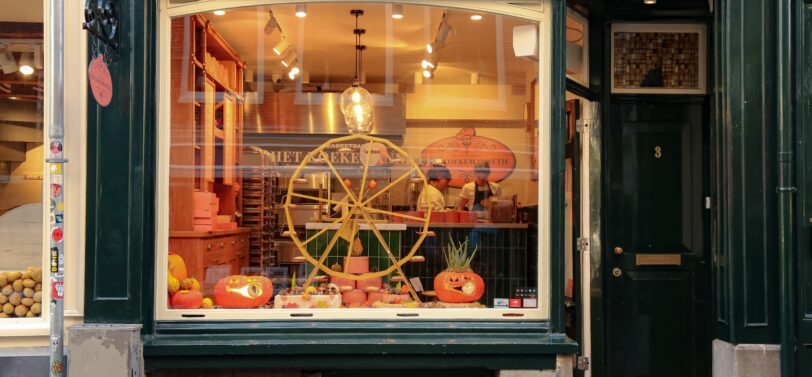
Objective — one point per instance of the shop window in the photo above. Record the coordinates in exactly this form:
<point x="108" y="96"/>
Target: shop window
<point x="352" y="160"/>
<point x="22" y="153"/>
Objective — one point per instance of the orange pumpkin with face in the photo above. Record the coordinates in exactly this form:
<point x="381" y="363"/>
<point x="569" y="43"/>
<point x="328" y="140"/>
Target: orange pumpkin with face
<point x="243" y="292"/>
<point x="458" y="283"/>
<point x="459" y="286"/>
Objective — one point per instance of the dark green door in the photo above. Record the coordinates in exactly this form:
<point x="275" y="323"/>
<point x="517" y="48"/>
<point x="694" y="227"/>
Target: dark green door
<point x="654" y="263"/>
<point x="804" y="127"/>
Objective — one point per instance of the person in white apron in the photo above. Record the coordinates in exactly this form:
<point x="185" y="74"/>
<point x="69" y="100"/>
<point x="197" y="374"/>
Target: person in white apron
<point x="432" y="195"/>
<point x="477" y="194"/>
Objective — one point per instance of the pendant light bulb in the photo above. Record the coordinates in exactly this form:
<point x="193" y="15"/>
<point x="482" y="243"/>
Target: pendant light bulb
<point x="356" y="102"/>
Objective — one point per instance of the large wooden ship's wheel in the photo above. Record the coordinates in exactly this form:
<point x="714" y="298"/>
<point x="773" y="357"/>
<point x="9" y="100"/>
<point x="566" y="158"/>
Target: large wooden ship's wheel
<point x="359" y="205"/>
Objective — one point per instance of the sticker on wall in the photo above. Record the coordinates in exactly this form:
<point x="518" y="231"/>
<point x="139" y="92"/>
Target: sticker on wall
<point x="56" y="168"/>
<point x="57" y="234"/>
<point x="500" y="303"/>
<point x="57" y="367"/>
<point x="461" y="152"/>
<point x="57" y="179"/>
<point x="59" y="218"/>
<point x="56" y="147"/>
<point x="53" y="205"/>
<point x="56" y="190"/>
<point x="101" y="84"/>
<point x="54" y="259"/>
<point x="57" y="289"/>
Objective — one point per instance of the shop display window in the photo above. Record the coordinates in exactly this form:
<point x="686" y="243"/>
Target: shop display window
<point x="23" y="201"/>
<point x="352" y="160"/>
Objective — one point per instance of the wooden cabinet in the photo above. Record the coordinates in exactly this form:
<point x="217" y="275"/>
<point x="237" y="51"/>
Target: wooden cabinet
<point x="211" y="255"/>
<point x="206" y="133"/>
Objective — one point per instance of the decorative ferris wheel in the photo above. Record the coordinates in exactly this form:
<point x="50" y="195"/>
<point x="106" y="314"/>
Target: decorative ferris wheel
<point x="358" y="212"/>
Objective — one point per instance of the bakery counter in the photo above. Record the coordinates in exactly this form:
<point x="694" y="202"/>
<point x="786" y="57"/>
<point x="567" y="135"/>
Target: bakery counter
<point x="470" y="225"/>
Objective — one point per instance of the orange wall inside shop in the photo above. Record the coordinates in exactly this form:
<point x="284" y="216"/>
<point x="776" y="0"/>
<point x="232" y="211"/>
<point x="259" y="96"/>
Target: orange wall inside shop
<point x="22" y="187"/>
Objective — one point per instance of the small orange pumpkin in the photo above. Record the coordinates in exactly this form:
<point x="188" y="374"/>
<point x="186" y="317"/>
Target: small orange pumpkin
<point x="184" y="299"/>
<point x="458" y="283"/>
<point x="177" y="267"/>
<point x="243" y="292"/>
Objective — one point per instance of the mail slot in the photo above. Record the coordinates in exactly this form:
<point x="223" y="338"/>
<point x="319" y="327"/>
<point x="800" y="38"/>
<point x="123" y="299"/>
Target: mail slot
<point x="658" y="259"/>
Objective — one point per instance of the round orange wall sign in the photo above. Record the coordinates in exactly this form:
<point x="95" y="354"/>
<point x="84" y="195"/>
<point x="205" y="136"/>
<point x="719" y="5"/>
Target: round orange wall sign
<point x="461" y="152"/>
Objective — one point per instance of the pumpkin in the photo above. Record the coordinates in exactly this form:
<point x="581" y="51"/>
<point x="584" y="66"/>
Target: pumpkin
<point x="243" y="292"/>
<point x="458" y="283"/>
<point x="173" y="285"/>
<point x="184" y="299"/>
<point x="177" y="267"/>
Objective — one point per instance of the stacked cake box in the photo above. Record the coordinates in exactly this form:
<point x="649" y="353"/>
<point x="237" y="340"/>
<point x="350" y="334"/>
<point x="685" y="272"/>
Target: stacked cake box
<point x="206" y="205"/>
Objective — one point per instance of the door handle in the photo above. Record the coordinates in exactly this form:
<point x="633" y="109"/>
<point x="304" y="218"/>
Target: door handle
<point x="616" y="272"/>
<point x="618" y="250"/>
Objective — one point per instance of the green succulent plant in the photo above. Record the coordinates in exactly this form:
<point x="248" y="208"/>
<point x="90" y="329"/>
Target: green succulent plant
<point x="456" y="256"/>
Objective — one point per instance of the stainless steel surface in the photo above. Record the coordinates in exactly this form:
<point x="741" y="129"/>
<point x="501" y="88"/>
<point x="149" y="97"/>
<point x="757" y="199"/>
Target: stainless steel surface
<point x="317" y="113"/>
<point x="303" y="213"/>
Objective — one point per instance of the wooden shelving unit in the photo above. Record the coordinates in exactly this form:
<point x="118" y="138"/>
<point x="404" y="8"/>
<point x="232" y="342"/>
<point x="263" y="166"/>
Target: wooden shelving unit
<point x="260" y="184"/>
<point x="205" y="152"/>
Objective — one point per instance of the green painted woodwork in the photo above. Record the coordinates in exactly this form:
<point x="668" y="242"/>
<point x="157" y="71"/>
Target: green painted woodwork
<point x="745" y="173"/>
<point x="120" y="179"/>
<point x="656" y="316"/>
<point x="801" y="316"/>
<point x="557" y="167"/>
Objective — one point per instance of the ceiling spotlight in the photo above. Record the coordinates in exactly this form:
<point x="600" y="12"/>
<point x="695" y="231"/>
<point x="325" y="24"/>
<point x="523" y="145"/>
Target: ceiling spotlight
<point x="8" y="63"/>
<point x="271" y="25"/>
<point x="397" y="11"/>
<point x="289" y="60"/>
<point x="476" y="17"/>
<point x="430" y="61"/>
<point x="301" y="10"/>
<point x="442" y="32"/>
<point x="428" y="73"/>
<point x="219" y="12"/>
<point x="649" y="2"/>
<point x="26" y="63"/>
<point x="281" y="46"/>
<point x="293" y="73"/>
<point x="426" y="64"/>
<point x="38" y="57"/>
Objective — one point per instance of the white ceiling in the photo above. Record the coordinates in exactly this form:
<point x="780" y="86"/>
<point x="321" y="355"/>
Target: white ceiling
<point x="325" y="40"/>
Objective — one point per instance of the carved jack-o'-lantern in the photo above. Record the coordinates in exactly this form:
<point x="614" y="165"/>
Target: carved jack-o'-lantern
<point x="458" y="283"/>
<point x="243" y="292"/>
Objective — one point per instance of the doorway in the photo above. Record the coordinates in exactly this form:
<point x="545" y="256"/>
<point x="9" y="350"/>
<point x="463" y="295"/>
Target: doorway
<point x="655" y="268"/>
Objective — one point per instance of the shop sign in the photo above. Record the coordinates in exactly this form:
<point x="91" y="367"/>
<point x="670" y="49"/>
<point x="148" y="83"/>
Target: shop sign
<point x="461" y="152"/>
<point x="101" y="84"/>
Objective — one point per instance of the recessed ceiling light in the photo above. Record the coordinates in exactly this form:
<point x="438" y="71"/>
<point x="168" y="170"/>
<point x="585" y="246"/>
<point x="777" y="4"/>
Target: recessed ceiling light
<point x="301" y="10"/>
<point x="397" y="11"/>
<point x="476" y="17"/>
<point x="219" y="12"/>
<point x="649" y="2"/>
<point x="13" y="98"/>
<point x="26" y="69"/>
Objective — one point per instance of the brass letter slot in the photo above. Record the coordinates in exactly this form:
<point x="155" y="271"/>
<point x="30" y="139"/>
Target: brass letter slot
<point x="658" y="259"/>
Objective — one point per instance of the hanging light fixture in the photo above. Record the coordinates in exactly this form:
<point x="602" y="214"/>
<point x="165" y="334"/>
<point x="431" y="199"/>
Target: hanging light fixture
<point x="397" y="11"/>
<point x="288" y="60"/>
<point x="356" y="102"/>
<point x="301" y="10"/>
<point x="26" y="63"/>
<point x="280" y="47"/>
<point x="271" y="25"/>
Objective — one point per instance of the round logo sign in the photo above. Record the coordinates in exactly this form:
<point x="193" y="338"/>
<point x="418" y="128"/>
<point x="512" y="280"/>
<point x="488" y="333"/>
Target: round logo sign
<point x="101" y="84"/>
<point x="461" y="152"/>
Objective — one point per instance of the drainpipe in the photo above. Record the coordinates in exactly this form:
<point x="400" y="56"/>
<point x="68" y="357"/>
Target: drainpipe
<point x="56" y="164"/>
<point x="786" y="189"/>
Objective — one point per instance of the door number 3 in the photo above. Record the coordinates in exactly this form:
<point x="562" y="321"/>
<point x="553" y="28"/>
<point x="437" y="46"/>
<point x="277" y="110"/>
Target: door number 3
<point x="658" y="152"/>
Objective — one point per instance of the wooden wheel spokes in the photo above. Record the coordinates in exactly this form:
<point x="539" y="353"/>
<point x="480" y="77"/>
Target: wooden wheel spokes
<point x="320" y="232"/>
<point x="366" y="170"/>
<point x="403" y="215"/>
<point x="389" y="186"/>
<point x="323" y="200"/>
<point x="349" y="192"/>
<point x="324" y="254"/>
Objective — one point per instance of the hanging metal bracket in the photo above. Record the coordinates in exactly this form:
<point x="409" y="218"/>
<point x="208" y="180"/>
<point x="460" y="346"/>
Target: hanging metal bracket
<point x="101" y="21"/>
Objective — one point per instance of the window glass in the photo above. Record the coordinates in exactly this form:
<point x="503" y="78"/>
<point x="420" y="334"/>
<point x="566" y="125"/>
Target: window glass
<point x="21" y="158"/>
<point x="354" y="158"/>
